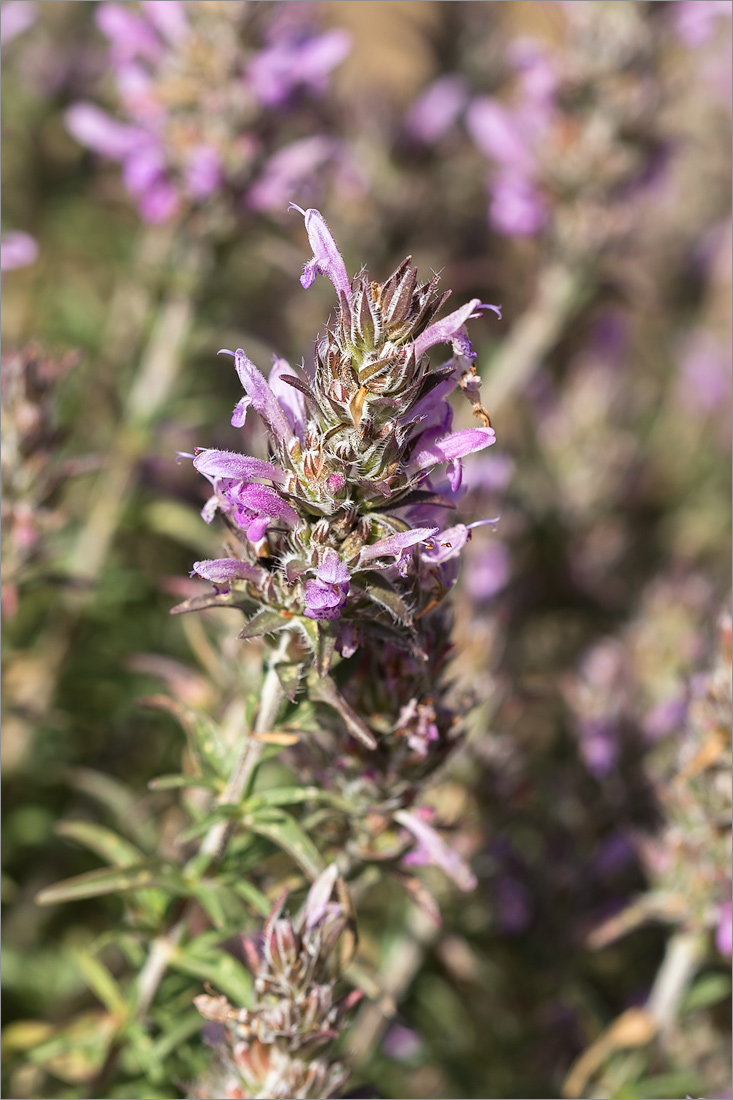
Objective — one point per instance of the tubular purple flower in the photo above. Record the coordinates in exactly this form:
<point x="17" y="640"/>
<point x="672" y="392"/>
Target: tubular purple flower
<point x="327" y="260"/>
<point x="168" y="17"/>
<point x="256" y="507"/>
<point x="450" y="447"/>
<point x="291" y="400"/>
<point x="262" y="397"/>
<point x="130" y="34"/>
<point x="289" y="170"/>
<point x="494" y="130"/>
<point x="446" y="330"/>
<point x="437" y="110"/>
<point x="395" y="544"/>
<point x="326" y="595"/>
<point x="432" y="849"/>
<point x="94" y="128"/>
<point x="224" y="570"/>
<point x="294" y="62"/>
<point x="216" y="464"/>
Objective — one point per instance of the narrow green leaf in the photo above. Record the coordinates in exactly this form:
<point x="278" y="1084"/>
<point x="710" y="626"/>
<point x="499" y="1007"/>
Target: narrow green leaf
<point x="222" y="970"/>
<point x="309" y="630"/>
<point x="288" y="835"/>
<point x="324" y="690"/>
<point x="289" y="675"/>
<point x="252" y="896"/>
<point x="155" y="873"/>
<point x="121" y="801"/>
<point x="203" y="734"/>
<point x="174" y="1034"/>
<point x="284" y="796"/>
<point x="213" y="599"/>
<point x="264" y="622"/>
<point x="171" y="782"/>
<point x="101" y="982"/>
<point x="101" y="840"/>
<point x="221" y="813"/>
<point x="381" y="593"/>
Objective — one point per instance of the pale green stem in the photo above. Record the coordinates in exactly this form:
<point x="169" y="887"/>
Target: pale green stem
<point x="212" y="847"/>
<point x="533" y="336"/>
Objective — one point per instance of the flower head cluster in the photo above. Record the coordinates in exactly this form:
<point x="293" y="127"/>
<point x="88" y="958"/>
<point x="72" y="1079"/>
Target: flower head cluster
<point x="341" y="525"/>
<point x="280" y="1047"/>
<point x="196" y="99"/>
<point x="577" y="132"/>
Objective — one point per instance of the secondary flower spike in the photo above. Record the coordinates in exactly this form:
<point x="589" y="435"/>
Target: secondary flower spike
<point x="337" y="529"/>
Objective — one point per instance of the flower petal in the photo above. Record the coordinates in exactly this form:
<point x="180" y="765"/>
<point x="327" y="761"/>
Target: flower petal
<point x="213" y="463"/>
<point x="442" y="332"/>
<point x="265" y="501"/>
<point x="223" y="570"/>
<point x="263" y="399"/>
<point x="395" y="544"/>
<point x="438" y="851"/>
<point x="452" y="446"/>
<point x="326" y="256"/>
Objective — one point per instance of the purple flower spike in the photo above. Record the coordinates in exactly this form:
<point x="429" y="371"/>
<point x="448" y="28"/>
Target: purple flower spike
<point x="326" y="596"/>
<point x="223" y="570"/>
<point x="452" y="446"/>
<point x="327" y="260"/>
<point x="443" y="332"/>
<point x="216" y="464"/>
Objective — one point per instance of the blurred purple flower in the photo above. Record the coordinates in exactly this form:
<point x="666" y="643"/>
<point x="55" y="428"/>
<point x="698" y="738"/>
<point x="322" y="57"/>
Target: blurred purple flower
<point x="16" y="16"/>
<point x="182" y="140"/>
<point x="431" y="849"/>
<point x="705" y="373"/>
<point x="487" y="572"/>
<point x="17" y="250"/>
<point x="437" y="109"/>
<point x="290" y="171"/>
<point x="666" y="717"/>
<point x="695" y="19"/>
<point x="298" y="59"/>
<point x="402" y="1043"/>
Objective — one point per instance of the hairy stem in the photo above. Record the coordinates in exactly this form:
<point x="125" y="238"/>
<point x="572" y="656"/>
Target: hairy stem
<point x="214" y="843"/>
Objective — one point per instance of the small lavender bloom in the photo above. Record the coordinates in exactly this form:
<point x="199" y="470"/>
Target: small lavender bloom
<point x="327" y="260"/>
<point x="326" y="595"/>
<point x="437" y="109"/>
<point x="16" y="17"/>
<point x="488" y="572"/>
<point x="695" y="19"/>
<point x="432" y="849"/>
<point x="296" y="60"/>
<point x="291" y="170"/>
<point x="17" y="250"/>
